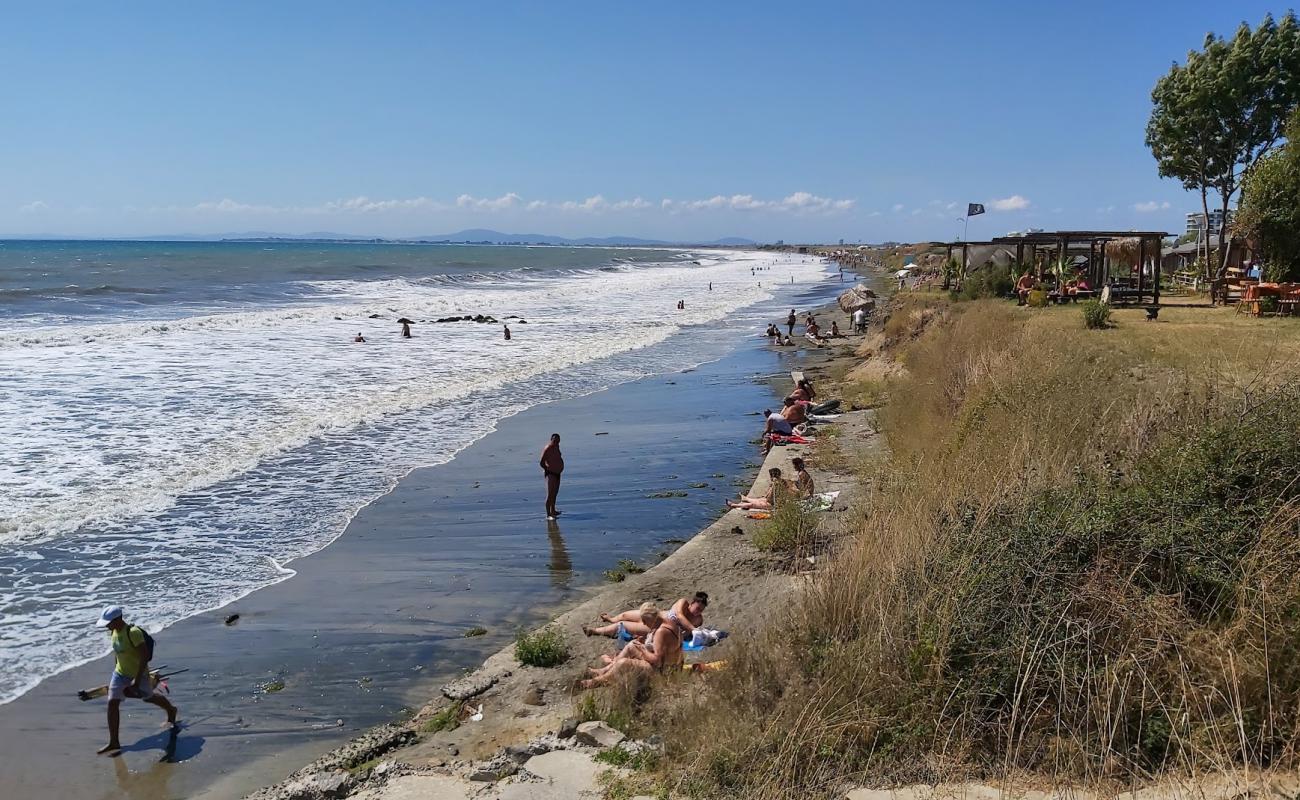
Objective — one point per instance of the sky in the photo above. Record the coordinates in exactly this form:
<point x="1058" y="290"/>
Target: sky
<point x="811" y="121"/>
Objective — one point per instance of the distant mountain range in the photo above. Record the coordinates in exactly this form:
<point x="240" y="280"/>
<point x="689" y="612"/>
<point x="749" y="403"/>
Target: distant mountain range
<point x="473" y="235"/>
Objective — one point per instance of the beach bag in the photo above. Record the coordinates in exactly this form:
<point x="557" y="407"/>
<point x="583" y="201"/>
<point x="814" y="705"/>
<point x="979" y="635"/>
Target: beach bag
<point x="148" y="643"/>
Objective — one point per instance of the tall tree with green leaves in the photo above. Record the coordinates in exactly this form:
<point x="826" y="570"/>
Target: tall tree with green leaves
<point x="1270" y="206"/>
<point x="1215" y="117"/>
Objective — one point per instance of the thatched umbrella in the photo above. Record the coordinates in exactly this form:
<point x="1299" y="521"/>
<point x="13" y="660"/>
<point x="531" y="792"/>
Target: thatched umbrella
<point x="857" y="297"/>
<point x="1125" y="250"/>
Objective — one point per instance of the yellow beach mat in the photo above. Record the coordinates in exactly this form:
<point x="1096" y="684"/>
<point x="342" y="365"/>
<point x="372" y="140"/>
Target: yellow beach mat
<point x="705" y="666"/>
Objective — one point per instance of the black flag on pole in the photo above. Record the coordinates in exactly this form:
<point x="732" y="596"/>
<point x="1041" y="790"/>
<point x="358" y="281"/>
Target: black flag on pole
<point x="973" y="209"/>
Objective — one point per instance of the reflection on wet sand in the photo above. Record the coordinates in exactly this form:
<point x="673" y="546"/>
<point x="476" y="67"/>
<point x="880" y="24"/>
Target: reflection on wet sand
<point x="561" y="565"/>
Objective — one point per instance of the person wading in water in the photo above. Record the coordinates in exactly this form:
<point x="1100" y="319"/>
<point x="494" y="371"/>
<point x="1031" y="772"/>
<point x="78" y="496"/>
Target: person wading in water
<point x="552" y="465"/>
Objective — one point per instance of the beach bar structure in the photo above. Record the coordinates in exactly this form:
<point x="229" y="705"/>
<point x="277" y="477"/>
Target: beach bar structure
<point x="1109" y="258"/>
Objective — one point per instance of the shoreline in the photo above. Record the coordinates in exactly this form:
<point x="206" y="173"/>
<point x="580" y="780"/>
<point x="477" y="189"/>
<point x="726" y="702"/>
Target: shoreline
<point x="522" y="703"/>
<point x="291" y="726"/>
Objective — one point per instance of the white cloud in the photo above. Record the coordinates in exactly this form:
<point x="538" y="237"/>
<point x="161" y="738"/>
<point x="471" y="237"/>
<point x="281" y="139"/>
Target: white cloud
<point x="34" y="206"/>
<point x="1106" y="210"/>
<point x="1149" y="206"/>
<point x="796" y="203"/>
<point x="228" y="206"/>
<point x="1013" y="203"/>
<point x="898" y="207"/>
<point x="505" y="201"/>
<point x="365" y="205"/>
<point x="916" y="211"/>
<point x="874" y="214"/>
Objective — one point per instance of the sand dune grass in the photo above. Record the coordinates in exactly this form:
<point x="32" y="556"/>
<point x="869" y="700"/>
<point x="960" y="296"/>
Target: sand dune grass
<point x="1081" y="559"/>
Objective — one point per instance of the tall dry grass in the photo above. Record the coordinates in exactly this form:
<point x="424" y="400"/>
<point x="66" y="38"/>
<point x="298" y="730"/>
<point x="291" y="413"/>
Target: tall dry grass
<point x="1080" y="559"/>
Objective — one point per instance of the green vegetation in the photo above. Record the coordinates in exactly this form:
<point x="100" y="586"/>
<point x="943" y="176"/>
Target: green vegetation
<point x="622" y="569"/>
<point x="619" y="757"/>
<point x="447" y="719"/>
<point x="1096" y="314"/>
<point x="1215" y="116"/>
<point x="790" y="530"/>
<point x="544" y="648"/>
<point x="615" y="706"/>
<point x="477" y="630"/>
<point x="1270" y="208"/>
<point x="1081" y="560"/>
<point x="988" y="281"/>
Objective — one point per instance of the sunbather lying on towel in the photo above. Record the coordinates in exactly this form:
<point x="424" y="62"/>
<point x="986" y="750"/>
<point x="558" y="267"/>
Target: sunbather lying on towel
<point x="663" y="651"/>
<point x="686" y="613"/>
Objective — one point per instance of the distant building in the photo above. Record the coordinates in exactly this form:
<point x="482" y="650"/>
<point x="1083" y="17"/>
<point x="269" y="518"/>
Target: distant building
<point x="1216" y="219"/>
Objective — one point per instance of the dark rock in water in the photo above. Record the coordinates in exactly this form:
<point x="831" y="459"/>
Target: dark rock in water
<point x="339" y="319"/>
<point x="232" y="619"/>
<point x="523" y="322"/>
<point x="375" y="316"/>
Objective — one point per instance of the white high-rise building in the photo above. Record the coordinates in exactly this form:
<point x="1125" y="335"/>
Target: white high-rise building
<point x="1216" y="217"/>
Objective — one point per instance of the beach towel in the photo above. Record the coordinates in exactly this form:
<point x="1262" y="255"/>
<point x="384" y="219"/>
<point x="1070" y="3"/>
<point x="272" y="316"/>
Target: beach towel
<point x="821" y="502"/>
<point x="822" y="417"/>
<point x="759" y="515"/>
<point x="778" y="439"/>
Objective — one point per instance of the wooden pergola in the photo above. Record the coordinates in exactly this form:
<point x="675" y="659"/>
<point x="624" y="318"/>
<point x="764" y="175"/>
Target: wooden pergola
<point x="1047" y="246"/>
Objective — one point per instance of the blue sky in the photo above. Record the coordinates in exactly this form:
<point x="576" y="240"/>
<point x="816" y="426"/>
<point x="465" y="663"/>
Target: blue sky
<point x="802" y="121"/>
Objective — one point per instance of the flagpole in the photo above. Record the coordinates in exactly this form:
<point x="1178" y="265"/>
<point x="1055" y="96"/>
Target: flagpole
<point x="964" y="226"/>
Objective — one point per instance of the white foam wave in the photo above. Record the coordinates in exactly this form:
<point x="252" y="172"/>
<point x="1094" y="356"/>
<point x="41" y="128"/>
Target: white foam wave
<point x="191" y="463"/>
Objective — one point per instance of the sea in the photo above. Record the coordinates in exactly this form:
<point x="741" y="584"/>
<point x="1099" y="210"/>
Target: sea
<point x="183" y="420"/>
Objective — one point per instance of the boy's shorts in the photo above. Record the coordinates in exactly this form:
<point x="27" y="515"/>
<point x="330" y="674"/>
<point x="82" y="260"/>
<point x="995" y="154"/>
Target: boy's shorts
<point x="119" y="684"/>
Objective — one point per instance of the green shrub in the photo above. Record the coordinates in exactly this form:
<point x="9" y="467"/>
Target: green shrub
<point x="1268" y="304"/>
<point x="1037" y="298"/>
<point x="544" y="648"/>
<point x="790" y="528"/>
<point x="622" y="569"/>
<point x="447" y="719"/>
<point x="987" y="281"/>
<point x="1096" y="314"/>
<point x="477" y="630"/>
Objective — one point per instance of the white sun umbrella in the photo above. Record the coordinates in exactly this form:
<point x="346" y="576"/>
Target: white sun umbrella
<point x="902" y="273"/>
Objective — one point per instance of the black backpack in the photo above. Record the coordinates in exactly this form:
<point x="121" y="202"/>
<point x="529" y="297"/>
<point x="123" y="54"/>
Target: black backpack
<point x="148" y="644"/>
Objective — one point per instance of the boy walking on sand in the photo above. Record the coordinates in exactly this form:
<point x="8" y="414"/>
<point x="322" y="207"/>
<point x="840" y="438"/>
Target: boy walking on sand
<point x="552" y="465"/>
<point x="130" y="673"/>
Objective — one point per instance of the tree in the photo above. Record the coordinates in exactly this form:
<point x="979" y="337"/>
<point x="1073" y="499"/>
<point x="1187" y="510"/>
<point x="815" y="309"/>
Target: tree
<point x="1214" y="118"/>
<point x="1270" y="208"/>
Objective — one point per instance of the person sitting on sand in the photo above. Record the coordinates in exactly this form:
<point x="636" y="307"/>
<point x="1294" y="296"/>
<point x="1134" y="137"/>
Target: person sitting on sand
<point x="1024" y="286"/>
<point x="773" y="333"/>
<point x="835" y="330"/>
<point x="788" y="342"/>
<point x="662" y="651"/>
<point x="794" y="412"/>
<point x="359" y="337"/>
<point x="803" y="482"/>
<point x="807" y="386"/>
<point x="777" y="491"/>
<point x="776" y="423"/>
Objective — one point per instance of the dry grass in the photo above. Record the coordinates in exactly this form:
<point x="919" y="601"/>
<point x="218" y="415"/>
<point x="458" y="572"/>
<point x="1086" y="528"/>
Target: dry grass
<point x="1082" y="561"/>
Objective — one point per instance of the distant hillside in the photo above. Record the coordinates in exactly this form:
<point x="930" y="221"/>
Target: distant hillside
<point x="472" y="235"/>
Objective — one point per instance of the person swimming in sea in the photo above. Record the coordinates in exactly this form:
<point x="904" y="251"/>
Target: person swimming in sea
<point x="507" y="331"/>
<point x="359" y="337"/>
<point x="406" y="330"/>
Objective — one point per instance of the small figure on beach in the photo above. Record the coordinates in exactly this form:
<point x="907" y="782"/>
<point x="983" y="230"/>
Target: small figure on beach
<point x="506" y="331"/>
<point x="773" y="333"/>
<point x="789" y="323"/>
<point x="681" y="305"/>
<point x="777" y="491"/>
<point x="803" y="482"/>
<point x="552" y="463"/>
<point x="788" y="342"/>
<point x="710" y="286"/>
<point x="132" y="648"/>
<point x="406" y="330"/>
<point x="359" y="337"/>
<point x="860" y="320"/>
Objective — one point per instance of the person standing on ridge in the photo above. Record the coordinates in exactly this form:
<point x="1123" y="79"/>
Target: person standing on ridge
<point x="132" y="648"/>
<point x="789" y="323"/>
<point x="552" y="465"/>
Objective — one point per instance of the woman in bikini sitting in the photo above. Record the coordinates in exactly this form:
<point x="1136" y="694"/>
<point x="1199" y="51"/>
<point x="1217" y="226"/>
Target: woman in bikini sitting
<point x="663" y="652"/>
<point x="768" y="502"/>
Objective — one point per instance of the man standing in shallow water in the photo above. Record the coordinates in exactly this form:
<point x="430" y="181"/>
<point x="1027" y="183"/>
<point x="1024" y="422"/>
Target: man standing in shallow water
<point x="552" y="465"/>
<point x="130" y="673"/>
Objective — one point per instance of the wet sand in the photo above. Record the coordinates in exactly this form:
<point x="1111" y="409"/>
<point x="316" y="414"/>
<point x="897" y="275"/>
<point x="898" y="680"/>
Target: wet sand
<point x="371" y="624"/>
